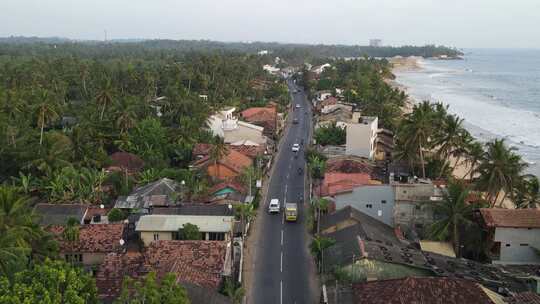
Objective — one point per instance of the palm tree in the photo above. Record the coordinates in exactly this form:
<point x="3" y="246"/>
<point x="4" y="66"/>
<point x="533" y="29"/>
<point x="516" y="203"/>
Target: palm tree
<point x="71" y="235"/>
<point x="527" y="193"/>
<point x="474" y="153"/>
<point x="451" y="140"/>
<point x="321" y="205"/>
<point x="234" y="292"/>
<point x="417" y="130"/>
<point x="317" y="247"/>
<point x="45" y="113"/>
<point x="245" y="212"/>
<point x="104" y="97"/>
<point x="218" y="151"/>
<point x="500" y="170"/>
<point x="454" y="212"/>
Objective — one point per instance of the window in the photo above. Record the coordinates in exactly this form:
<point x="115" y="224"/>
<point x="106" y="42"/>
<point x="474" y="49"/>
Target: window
<point x="507" y="245"/>
<point x="369" y="206"/>
<point x="405" y="191"/>
<point x="523" y="244"/>
<point x="156" y="236"/>
<point x="75" y="257"/>
<point x="417" y="207"/>
<point x="216" y="236"/>
<point x="383" y="202"/>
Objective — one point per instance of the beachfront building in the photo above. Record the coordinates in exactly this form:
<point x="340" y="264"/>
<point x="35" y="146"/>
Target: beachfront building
<point x="362" y="135"/>
<point x="513" y="235"/>
<point x="414" y="202"/>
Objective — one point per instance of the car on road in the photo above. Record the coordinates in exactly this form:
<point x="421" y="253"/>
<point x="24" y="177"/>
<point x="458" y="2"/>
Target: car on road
<point x="273" y="207"/>
<point x="291" y="212"/>
<point x="298" y="106"/>
<point x="295" y="147"/>
<point x="295" y="121"/>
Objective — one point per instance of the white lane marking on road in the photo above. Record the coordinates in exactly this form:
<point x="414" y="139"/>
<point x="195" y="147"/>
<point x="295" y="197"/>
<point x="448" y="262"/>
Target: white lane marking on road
<point x="281" y="292"/>
<point x="281" y="263"/>
<point x="281" y="237"/>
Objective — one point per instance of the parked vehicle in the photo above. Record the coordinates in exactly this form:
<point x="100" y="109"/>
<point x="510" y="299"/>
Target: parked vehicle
<point x="295" y="147"/>
<point x="273" y="207"/>
<point x="291" y="212"/>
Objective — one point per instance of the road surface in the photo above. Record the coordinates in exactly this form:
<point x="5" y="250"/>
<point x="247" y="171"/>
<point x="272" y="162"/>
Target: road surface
<point x="284" y="271"/>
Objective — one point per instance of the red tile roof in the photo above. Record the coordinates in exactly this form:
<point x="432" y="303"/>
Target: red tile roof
<point x="127" y="161"/>
<point x="511" y="218"/>
<point x="420" y="291"/>
<point x="256" y="111"/>
<point x="335" y="182"/>
<point x="196" y="262"/>
<point x="234" y="160"/>
<point x="344" y="165"/>
<point x="114" y="269"/>
<point x="249" y="151"/>
<point x="524" y="298"/>
<point x="98" y="238"/>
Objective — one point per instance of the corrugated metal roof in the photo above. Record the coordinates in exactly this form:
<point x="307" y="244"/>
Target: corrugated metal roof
<point x="160" y="222"/>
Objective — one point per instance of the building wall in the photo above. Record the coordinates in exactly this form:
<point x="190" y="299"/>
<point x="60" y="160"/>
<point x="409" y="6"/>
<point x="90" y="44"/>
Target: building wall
<point x="417" y="215"/>
<point x="413" y="192"/>
<point x="380" y="197"/>
<point x="93" y="258"/>
<point x="148" y="236"/>
<point x="361" y="139"/>
<point x="516" y="245"/>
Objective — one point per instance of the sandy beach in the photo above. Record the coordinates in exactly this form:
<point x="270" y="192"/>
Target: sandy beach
<point x="413" y="63"/>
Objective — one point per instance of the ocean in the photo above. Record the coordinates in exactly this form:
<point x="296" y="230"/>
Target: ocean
<point x="496" y="91"/>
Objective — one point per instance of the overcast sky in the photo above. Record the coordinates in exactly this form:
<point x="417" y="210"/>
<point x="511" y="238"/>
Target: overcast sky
<point x="460" y="23"/>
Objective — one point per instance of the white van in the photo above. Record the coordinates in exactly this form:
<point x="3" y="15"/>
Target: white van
<point x="274" y="206"/>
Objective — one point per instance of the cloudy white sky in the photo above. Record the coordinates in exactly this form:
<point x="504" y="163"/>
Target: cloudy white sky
<point x="460" y="23"/>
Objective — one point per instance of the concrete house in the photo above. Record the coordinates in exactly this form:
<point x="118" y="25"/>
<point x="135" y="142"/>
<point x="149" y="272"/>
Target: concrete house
<point x="362" y="135"/>
<point x="413" y="201"/>
<point x="227" y="126"/>
<point x="376" y="201"/>
<point x="95" y="242"/>
<point x="166" y="227"/>
<point x="513" y="235"/>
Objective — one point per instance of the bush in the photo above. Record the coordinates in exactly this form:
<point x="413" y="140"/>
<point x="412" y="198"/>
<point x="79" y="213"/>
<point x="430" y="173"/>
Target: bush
<point x="116" y="215"/>
<point x="331" y="135"/>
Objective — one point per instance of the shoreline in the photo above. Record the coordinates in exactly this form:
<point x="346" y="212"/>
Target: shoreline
<point x="459" y="170"/>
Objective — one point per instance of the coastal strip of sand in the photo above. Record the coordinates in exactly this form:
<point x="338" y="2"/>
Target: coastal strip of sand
<point x="401" y="64"/>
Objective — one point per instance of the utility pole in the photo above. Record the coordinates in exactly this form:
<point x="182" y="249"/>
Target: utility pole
<point x="105" y="33"/>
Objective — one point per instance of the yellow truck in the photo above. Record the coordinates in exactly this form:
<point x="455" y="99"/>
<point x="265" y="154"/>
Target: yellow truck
<point x="291" y="212"/>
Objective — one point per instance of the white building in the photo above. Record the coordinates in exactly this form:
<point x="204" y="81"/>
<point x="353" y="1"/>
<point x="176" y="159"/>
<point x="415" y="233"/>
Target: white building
<point x="320" y="68"/>
<point x="271" y="69"/>
<point x="375" y="42"/>
<point x="362" y="135"/>
<point x="513" y="235"/>
<point x="224" y="124"/>
<point x="158" y="227"/>
<point x="262" y="52"/>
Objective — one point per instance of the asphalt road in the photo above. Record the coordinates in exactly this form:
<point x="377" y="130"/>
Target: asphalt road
<point x="284" y="271"/>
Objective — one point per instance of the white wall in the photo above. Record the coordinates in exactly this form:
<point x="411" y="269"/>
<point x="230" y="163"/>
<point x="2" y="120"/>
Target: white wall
<point x="361" y="139"/>
<point x="516" y="245"/>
